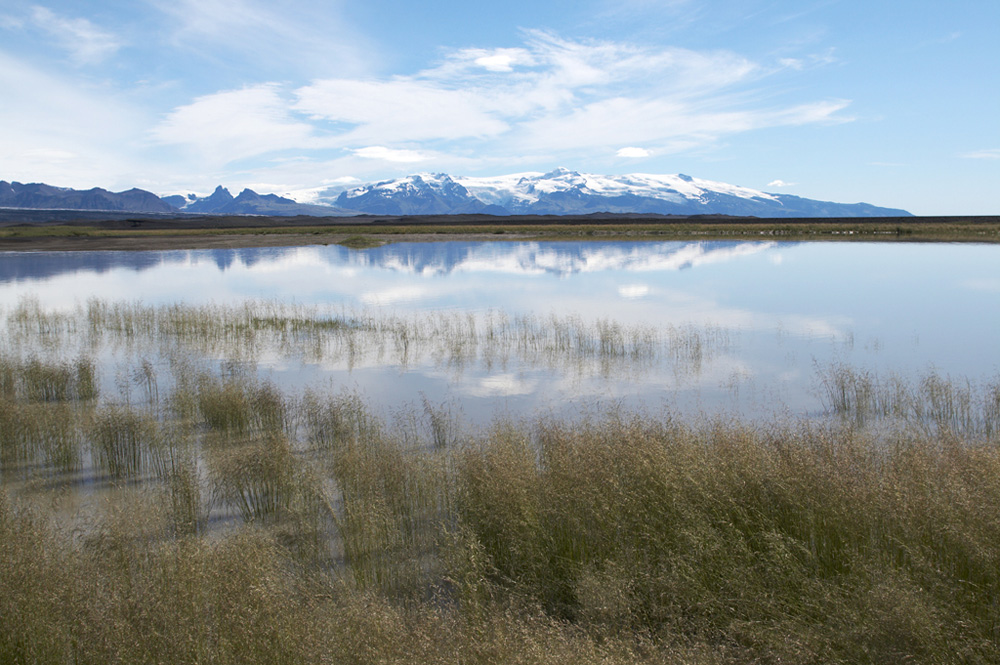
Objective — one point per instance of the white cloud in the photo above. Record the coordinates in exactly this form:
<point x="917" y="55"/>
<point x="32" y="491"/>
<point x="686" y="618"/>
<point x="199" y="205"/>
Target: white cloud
<point x="232" y="125"/>
<point x="390" y="155"/>
<point x="667" y="124"/>
<point x="568" y="95"/>
<point x="400" y="109"/>
<point x="983" y="154"/>
<point x="548" y="98"/>
<point x="781" y="183"/>
<point x="86" y="43"/>
<point x="804" y="114"/>
<point x="496" y="63"/>
<point x="496" y="60"/>
<point x="304" y="35"/>
<point x="633" y="291"/>
<point x="8" y="22"/>
<point x="633" y="152"/>
<point x="66" y="134"/>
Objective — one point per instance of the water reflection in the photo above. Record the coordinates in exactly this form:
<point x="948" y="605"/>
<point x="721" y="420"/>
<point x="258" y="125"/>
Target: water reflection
<point x="424" y="259"/>
<point x="783" y="308"/>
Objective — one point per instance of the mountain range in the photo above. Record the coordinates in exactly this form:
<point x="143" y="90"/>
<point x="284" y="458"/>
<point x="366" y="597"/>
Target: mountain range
<point x="38" y="195"/>
<point x="565" y="192"/>
<point x="249" y="202"/>
<point x="558" y="192"/>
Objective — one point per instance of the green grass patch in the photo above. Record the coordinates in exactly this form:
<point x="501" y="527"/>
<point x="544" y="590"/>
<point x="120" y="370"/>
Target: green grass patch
<point x="361" y="242"/>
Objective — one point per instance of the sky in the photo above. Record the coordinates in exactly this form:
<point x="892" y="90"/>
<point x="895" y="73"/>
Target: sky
<point x="894" y="104"/>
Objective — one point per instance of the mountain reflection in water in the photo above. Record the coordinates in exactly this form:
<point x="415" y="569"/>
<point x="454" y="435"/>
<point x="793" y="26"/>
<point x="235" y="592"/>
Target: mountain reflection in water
<point x="783" y="309"/>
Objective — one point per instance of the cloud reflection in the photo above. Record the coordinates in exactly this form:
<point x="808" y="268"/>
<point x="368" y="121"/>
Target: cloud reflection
<point x="777" y="308"/>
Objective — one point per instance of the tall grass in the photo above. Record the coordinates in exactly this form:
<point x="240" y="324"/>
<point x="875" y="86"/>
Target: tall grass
<point x="934" y="402"/>
<point x="568" y="343"/>
<point x="124" y="441"/>
<point x="250" y="524"/>
<point x="625" y="538"/>
<point x="37" y="380"/>
<point x="256" y="478"/>
<point x="240" y="407"/>
<point x="41" y="407"/>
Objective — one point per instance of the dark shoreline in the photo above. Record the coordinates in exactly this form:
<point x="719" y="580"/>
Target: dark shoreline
<point x="48" y="230"/>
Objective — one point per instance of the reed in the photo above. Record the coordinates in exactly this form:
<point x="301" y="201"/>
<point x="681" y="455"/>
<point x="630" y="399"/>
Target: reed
<point x="56" y="432"/>
<point x="239" y="407"/>
<point x="444" y="423"/>
<point x="384" y="512"/>
<point x="16" y="449"/>
<point x="332" y="420"/>
<point x="255" y="478"/>
<point x="37" y="380"/>
<point x="623" y="537"/>
<point x="258" y="525"/>
<point x="934" y="403"/>
<point x="123" y="441"/>
<point x="447" y="339"/>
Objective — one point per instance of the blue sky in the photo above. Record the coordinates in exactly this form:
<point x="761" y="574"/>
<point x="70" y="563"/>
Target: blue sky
<point x="896" y="104"/>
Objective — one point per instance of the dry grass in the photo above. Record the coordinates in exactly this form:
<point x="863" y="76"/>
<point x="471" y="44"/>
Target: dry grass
<point x="624" y="540"/>
<point x="243" y="333"/>
<point x="240" y="523"/>
<point x="934" y="404"/>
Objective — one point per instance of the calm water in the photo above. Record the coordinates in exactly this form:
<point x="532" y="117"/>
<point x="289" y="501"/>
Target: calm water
<point x="770" y="315"/>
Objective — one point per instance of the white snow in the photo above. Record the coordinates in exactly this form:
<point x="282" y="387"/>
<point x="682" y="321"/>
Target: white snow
<point x="526" y="188"/>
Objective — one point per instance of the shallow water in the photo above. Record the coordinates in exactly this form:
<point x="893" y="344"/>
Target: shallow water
<point x="740" y="327"/>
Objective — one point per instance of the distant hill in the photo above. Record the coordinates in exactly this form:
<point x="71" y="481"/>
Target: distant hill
<point x="38" y="195"/>
<point x="249" y="202"/>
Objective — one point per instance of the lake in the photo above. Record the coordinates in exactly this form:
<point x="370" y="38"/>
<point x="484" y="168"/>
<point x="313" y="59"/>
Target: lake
<point x="527" y="328"/>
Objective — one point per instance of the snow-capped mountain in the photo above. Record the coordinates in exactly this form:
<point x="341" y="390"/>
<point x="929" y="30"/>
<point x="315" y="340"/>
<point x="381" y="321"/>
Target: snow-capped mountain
<point x="558" y="192"/>
<point x="563" y="192"/>
<point x="421" y="194"/>
<point x="248" y="202"/>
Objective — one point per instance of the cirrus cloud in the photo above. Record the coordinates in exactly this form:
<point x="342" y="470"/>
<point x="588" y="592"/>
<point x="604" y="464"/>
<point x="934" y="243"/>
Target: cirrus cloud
<point x="550" y="96"/>
<point x="235" y="124"/>
<point x="87" y="44"/>
<point x="983" y="154"/>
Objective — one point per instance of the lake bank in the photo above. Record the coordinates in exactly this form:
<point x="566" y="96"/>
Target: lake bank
<point x="36" y="232"/>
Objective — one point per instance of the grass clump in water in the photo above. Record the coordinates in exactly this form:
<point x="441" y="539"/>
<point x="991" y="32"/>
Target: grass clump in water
<point x="934" y="403"/>
<point x="361" y="242"/>
<point x="238" y="406"/>
<point x="123" y="441"/>
<point x="256" y="477"/>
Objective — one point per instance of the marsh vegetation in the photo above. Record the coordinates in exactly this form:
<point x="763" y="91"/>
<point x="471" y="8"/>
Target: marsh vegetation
<point x="174" y="505"/>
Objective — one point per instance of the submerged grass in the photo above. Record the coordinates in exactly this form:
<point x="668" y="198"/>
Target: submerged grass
<point x="242" y="523"/>
<point x="495" y="339"/>
<point x="625" y="539"/>
<point x="934" y="403"/>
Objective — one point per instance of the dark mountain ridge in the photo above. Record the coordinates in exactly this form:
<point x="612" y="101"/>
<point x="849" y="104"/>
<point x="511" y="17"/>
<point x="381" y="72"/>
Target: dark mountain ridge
<point x="40" y="195"/>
